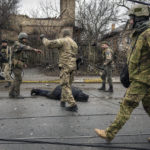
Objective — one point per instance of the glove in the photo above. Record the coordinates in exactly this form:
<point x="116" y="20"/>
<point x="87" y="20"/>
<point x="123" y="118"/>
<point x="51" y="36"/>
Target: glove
<point x="42" y="36"/>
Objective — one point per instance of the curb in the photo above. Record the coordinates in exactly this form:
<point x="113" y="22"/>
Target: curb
<point x="94" y="80"/>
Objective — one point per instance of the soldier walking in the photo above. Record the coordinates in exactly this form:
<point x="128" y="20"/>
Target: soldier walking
<point x="107" y="55"/>
<point x="139" y="71"/>
<point x="19" y="60"/>
<point x="68" y="50"/>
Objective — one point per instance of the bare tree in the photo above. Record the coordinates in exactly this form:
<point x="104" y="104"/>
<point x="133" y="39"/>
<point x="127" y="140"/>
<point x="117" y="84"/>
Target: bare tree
<point x="95" y="17"/>
<point x="123" y="3"/>
<point x="7" y="8"/>
<point x="45" y="18"/>
<point x="128" y="4"/>
<point x="45" y="11"/>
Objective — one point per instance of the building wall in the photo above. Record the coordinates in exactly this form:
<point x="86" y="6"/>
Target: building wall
<point x="22" y="23"/>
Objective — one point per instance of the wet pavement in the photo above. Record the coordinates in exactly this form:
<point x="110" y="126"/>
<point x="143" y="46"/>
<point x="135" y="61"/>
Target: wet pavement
<point x="41" y="121"/>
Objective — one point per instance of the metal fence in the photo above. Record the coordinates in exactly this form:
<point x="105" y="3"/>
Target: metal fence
<point x="92" y="60"/>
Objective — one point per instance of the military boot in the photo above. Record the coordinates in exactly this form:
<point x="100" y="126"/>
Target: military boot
<point x="102" y="134"/>
<point x="103" y="88"/>
<point x="62" y="104"/>
<point x="8" y="85"/>
<point x="110" y="89"/>
<point x="73" y="108"/>
<point x="11" y="96"/>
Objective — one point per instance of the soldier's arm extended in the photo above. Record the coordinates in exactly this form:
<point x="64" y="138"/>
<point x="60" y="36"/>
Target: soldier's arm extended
<point x="52" y="43"/>
<point x="109" y="57"/>
<point x="21" y="47"/>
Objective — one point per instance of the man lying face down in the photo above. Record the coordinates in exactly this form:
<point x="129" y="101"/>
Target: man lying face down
<point x="56" y="93"/>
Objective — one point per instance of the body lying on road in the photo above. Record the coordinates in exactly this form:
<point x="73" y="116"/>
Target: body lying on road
<point x="56" y="93"/>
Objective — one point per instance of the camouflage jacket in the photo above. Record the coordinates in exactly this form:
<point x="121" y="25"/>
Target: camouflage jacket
<point x="68" y="50"/>
<point x="139" y="61"/>
<point x="19" y="56"/>
<point x="107" y="55"/>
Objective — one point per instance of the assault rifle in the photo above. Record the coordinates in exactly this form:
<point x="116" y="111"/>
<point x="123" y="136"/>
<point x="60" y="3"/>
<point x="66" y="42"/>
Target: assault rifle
<point x="135" y="1"/>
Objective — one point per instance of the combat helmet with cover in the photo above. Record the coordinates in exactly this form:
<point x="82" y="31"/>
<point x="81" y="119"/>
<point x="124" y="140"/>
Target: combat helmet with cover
<point x="139" y="10"/>
<point x="22" y="35"/>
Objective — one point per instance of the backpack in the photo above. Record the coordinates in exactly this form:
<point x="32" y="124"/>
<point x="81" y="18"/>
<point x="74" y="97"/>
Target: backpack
<point x="124" y="74"/>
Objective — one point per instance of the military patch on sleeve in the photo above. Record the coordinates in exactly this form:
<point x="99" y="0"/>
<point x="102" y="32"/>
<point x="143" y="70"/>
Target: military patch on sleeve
<point x="108" y="55"/>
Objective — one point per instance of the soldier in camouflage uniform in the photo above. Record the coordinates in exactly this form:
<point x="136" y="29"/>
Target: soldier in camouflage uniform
<point x="107" y="55"/>
<point x="139" y="71"/>
<point x="5" y="51"/>
<point x="68" y="50"/>
<point x="19" y="59"/>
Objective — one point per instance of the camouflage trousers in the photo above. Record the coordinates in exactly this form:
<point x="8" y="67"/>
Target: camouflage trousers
<point x="15" y="87"/>
<point x="135" y="93"/>
<point x="6" y="69"/>
<point x="66" y="79"/>
<point x="107" y="74"/>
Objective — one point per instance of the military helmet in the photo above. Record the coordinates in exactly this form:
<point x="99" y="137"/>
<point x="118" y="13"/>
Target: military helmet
<point x="66" y="32"/>
<point x="4" y="41"/>
<point x="22" y="35"/>
<point x="139" y="10"/>
<point x="104" y="42"/>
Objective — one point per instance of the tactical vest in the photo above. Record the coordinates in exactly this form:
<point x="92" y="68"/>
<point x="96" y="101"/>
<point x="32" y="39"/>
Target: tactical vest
<point x="19" y="57"/>
<point x="68" y="54"/>
<point x="111" y="53"/>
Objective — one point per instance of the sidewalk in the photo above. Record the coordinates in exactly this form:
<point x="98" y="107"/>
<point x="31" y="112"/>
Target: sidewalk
<point x="35" y="76"/>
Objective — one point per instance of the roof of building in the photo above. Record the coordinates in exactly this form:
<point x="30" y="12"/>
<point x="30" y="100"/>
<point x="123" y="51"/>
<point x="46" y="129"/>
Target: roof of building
<point x="114" y="32"/>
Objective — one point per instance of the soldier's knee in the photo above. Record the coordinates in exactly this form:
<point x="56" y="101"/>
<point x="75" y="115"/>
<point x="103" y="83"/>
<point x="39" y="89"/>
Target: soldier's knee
<point x="109" y="80"/>
<point x="131" y="103"/>
<point x="103" y="77"/>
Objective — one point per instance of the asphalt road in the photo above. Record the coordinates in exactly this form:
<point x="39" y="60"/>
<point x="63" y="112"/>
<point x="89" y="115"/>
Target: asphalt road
<point x="39" y="123"/>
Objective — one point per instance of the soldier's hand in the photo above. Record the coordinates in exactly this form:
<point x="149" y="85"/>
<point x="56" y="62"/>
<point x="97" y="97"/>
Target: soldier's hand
<point x="38" y="51"/>
<point x="25" y="66"/>
<point x="105" y="64"/>
<point x="42" y="36"/>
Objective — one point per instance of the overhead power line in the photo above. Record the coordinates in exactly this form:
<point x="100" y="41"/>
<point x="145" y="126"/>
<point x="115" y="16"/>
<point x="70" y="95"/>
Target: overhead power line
<point x="140" y="2"/>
